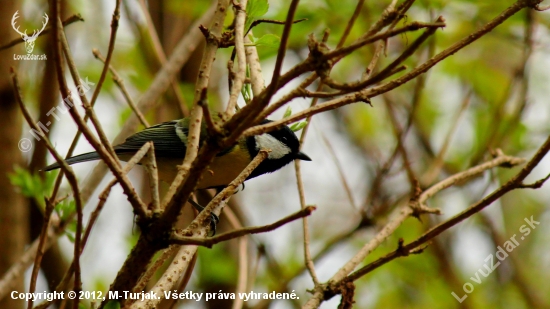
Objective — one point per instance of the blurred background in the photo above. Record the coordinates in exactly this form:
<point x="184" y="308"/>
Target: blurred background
<point x="492" y="94"/>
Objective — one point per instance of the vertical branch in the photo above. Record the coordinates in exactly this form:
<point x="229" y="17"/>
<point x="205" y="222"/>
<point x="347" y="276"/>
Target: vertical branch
<point x="436" y="166"/>
<point x="110" y="49"/>
<point x="241" y="58"/>
<point x="401" y="147"/>
<point x="305" y="225"/>
<point x="310" y="265"/>
<point x="253" y="60"/>
<point x="120" y="83"/>
<point x="282" y="51"/>
<point x="90" y="113"/>
<point x="350" y="24"/>
<point x="252" y="110"/>
<point x="159" y="53"/>
<point x="243" y="258"/>
<point x="41" y="245"/>
<point x="340" y="169"/>
<point x="305" y="221"/>
<point x="151" y="166"/>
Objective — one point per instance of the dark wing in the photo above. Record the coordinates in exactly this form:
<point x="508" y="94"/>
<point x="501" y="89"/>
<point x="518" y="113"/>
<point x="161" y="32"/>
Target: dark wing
<point x="169" y="138"/>
<point x="165" y="137"/>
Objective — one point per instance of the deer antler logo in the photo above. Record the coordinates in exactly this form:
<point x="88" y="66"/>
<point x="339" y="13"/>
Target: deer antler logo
<point x="29" y="40"/>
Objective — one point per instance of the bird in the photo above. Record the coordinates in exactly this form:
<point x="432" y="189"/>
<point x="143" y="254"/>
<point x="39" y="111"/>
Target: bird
<point x="170" y="143"/>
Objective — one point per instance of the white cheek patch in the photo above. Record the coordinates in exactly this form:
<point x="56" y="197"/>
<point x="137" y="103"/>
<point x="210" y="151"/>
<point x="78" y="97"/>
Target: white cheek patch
<point x="267" y="141"/>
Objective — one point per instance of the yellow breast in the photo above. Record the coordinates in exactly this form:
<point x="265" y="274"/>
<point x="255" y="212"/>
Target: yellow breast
<point x="219" y="173"/>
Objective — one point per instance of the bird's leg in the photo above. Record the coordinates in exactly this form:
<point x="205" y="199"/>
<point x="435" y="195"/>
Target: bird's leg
<point x="237" y="190"/>
<point x="214" y="219"/>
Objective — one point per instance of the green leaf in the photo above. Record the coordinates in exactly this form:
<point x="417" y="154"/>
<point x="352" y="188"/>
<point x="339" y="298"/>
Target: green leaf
<point x="70" y="236"/>
<point x="246" y="90"/>
<point x="288" y="112"/>
<point x="32" y="185"/>
<point x="65" y="209"/>
<point x="298" y="126"/>
<point x="268" y="40"/>
<point x="70" y="230"/>
<point x="256" y="8"/>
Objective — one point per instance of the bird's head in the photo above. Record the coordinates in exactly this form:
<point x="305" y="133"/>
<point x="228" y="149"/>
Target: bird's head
<point x="284" y="146"/>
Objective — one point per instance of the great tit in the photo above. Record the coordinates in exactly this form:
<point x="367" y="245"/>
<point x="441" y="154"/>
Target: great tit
<point x="170" y="141"/>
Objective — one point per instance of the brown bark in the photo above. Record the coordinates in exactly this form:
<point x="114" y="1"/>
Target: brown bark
<point x="14" y="209"/>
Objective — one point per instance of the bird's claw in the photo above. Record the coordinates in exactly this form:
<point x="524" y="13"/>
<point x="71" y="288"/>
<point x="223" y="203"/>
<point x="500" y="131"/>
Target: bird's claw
<point x="214" y="219"/>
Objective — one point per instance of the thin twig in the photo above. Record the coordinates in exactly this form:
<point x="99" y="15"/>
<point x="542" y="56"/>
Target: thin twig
<point x="159" y="52"/>
<point x="120" y="83"/>
<point x="398" y="217"/>
<point x="436" y="166"/>
<point x="398" y="131"/>
<point x="63" y="284"/>
<point x="535" y="185"/>
<point x="372" y="92"/>
<point x="85" y="103"/>
<point x="211" y="125"/>
<point x="512" y="184"/>
<point x="340" y="170"/>
<point x="308" y="261"/>
<point x="209" y="242"/>
<point x="71" y="178"/>
<point x="41" y="247"/>
<point x="387" y="71"/>
<point x="148" y="100"/>
<point x="104" y="149"/>
<point x="282" y="50"/>
<point x="110" y="49"/>
<point x="270" y="21"/>
<point x="305" y="226"/>
<point x="350" y="24"/>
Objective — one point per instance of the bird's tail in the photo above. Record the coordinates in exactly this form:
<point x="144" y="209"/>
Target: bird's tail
<point x="85" y="157"/>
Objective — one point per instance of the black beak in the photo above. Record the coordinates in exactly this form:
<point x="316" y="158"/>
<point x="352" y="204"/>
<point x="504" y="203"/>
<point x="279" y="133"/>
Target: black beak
<point x="302" y="156"/>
